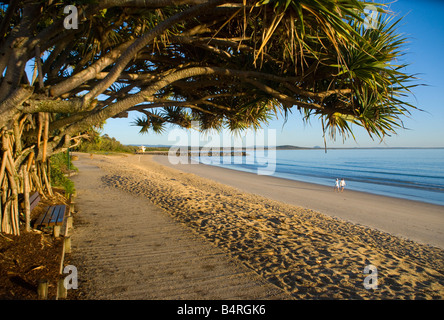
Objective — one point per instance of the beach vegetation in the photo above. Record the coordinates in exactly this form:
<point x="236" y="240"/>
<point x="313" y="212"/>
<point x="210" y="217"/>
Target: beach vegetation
<point x="103" y="143"/>
<point x="61" y="167"/>
<point x="227" y="64"/>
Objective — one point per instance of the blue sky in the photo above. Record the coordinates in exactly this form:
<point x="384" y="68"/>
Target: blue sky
<point x="423" y="25"/>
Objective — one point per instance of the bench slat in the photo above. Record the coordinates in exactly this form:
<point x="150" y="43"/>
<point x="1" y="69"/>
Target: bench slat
<point x="61" y="215"/>
<point x="40" y="219"/>
<point x="33" y="196"/>
<point x="48" y="216"/>
<point x="58" y="212"/>
<point x="34" y="200"/>
<point x="54" y="215"/>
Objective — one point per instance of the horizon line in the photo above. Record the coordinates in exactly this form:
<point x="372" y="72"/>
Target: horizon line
<point x="281" y="147"/>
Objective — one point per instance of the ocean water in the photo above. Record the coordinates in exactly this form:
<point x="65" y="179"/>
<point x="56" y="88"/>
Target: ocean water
<point x="416" y="174"/>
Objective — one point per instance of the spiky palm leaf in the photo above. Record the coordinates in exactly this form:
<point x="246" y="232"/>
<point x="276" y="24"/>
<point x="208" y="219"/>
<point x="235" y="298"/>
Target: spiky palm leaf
<point x="153" y="121"/>
<point x="376" y="80"/>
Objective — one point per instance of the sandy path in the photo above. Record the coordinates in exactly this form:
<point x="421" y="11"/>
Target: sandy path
<point x="124" y="247"/>
<point x="413" y="220"/>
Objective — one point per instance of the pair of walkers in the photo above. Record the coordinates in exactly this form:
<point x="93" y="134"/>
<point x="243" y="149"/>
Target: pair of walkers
<point x="340" y="185"/>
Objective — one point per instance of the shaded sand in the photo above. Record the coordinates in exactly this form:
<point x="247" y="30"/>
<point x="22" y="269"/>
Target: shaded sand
<point x="306" y="253"/>
<point x="124" y="247"/>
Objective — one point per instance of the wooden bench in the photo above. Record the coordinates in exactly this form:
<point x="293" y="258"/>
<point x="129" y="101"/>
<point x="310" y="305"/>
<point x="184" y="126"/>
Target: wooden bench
<point x="52" y="216"/>
<point x="34" y="200"/>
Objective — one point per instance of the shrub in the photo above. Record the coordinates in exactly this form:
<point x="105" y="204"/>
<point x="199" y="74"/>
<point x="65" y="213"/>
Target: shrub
<point x="60" y="168"/>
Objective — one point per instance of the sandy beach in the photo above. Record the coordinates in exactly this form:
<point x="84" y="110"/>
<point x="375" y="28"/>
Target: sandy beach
<point x="303" y="239"/>
<point x="417" y="221"/>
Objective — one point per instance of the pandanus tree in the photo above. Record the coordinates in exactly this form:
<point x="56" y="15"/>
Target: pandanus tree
<point x="225" y="63"/>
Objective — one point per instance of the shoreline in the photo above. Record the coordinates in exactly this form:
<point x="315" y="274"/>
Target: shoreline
<point x="393" y="215"/>
<point x="308" y="254"/>
<point x="322" y="185"/>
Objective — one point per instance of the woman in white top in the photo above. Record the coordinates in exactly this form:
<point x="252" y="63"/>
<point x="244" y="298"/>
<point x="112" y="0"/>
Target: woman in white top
<point x="342" y="185"/>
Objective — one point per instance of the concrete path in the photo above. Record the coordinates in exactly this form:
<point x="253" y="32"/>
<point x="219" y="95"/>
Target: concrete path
<point x="124" y="247"/>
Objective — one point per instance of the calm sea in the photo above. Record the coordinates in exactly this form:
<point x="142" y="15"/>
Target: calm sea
<point x="416" y="174"/>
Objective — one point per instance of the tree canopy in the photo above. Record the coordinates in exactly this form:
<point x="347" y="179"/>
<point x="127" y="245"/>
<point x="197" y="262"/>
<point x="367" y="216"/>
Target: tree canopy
<point x="226" y="63"/>
<point x="223" y="63"/>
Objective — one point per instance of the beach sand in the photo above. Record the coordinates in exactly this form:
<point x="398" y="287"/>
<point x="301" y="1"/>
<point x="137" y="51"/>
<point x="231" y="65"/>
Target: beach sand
<point x="418" y="221"/>
<point x="308" y="253"/>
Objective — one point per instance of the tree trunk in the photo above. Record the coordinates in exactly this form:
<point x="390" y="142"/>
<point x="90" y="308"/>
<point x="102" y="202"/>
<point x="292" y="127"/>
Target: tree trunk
<point x="26" y="191"/>
<point x="21" y="173"/>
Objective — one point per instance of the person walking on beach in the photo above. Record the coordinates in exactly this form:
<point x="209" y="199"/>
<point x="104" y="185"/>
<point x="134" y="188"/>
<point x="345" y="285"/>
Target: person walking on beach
<point x="337" y="185"/>
<point x="342" y="184"/>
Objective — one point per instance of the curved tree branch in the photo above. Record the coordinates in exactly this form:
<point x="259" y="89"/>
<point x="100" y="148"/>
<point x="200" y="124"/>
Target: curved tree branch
<point x="144" y="40"/>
